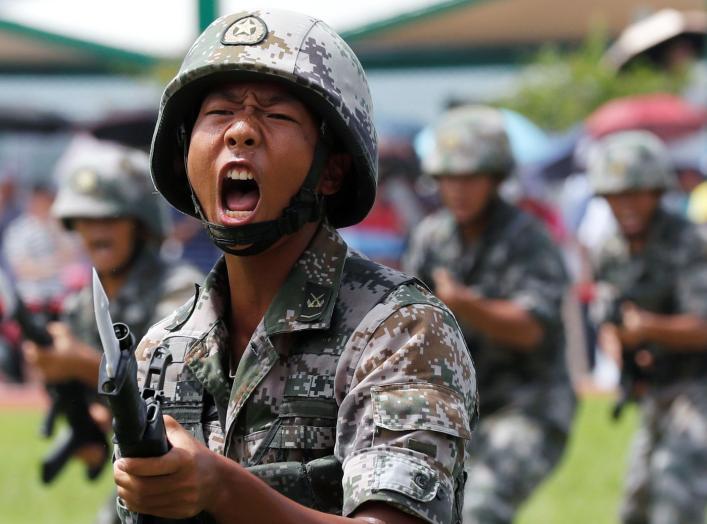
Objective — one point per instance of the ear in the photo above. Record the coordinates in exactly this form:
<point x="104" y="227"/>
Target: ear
<point x="337" y="168"/>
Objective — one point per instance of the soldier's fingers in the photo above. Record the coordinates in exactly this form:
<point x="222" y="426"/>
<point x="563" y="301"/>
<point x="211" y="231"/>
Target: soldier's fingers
<point x="160" y="496"/>
<point x="176" y="434"/>
<point x="57" y="329"/>
<point x="167" y="464"/>
<point x="30" y="351"/>
<point x="442" y="275"/>
<point x="644" y="358"/>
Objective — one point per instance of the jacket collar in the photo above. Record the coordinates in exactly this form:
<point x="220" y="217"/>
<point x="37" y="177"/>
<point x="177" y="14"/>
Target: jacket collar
<point x="306" y="300"/>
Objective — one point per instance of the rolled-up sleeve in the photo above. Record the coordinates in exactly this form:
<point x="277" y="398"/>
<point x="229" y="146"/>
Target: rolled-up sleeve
<point x="408" y="407"/>
<point x="691" y="277"/>
<point x="539" y="281"/>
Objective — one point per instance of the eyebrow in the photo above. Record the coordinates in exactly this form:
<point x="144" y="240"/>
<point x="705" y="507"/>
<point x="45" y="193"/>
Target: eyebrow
<point x="265" y="100"/>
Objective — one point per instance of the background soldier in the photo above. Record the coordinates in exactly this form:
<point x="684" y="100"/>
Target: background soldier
<point x="307" y="370"/>
<point x="499" y="273"/>
<point x="105" y="195"/>
<point x="652" y="289"/>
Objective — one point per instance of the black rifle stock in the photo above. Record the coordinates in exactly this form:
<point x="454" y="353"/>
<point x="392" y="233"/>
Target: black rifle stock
<point x="67" y="399"/>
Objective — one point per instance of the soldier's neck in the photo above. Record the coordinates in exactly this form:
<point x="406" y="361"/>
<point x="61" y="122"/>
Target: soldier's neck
<point x="112" y="282"/>
<point x="255" y="280"/>
<point x="636" y="244"/>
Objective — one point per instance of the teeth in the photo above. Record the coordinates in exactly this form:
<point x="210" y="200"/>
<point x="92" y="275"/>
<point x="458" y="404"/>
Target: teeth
<point x="239" y="174"/>
<point x="237" y="214"/>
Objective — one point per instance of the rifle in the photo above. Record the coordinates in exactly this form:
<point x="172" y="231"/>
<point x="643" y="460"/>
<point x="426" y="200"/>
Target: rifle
<point x="650" y="296"/>
<point x="137" y="418"/>
<point x="67" y="398"/>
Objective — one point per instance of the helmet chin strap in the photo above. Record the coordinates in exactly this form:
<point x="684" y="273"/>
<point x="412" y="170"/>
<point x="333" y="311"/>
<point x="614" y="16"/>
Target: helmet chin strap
<point x="307" y="205"/>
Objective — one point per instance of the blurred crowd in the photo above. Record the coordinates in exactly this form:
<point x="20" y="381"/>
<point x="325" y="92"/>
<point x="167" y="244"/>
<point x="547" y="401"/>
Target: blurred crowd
<point x="49" y="242"/>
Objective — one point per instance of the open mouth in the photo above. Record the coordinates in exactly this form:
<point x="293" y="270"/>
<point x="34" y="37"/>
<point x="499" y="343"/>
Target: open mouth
<point x="100" y="244"/>
<point x="240" y="194"/>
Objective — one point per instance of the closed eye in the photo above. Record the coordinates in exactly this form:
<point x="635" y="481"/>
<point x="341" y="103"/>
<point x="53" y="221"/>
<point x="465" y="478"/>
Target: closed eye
<point x="219" y="112"/>
<point x="281" y="116"/>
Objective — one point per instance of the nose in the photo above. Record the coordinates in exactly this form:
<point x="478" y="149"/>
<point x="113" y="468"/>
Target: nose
<point x="243" y="132"/>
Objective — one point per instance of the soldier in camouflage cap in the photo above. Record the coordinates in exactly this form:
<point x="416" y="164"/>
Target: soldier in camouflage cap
<point x="102" y="180"/>
<point x="299" y="368"/>
<point x="105" y="195"/>
<point x="628" y="161"/>
<point x="470" y="140"/>
<point x="498" y="271"/>
<point x="651" y="310"/>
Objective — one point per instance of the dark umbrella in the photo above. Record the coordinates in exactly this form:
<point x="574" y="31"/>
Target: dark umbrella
<point x="132" y="129"/>
<point x="15" y="119"/>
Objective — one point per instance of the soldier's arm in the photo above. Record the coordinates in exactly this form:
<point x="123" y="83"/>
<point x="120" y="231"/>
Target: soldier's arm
<point x="67" y="359"/>
<point x="502" y="321"/>
<point x="407" y="393"/>
<point x="680" y="332"/>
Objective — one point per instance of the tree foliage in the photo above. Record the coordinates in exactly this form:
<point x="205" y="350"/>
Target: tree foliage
<point x="559" y="88"/>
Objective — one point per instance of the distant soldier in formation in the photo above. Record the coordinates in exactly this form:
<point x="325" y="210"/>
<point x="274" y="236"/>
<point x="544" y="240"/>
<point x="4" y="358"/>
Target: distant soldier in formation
<point x="500" y="274"/>
<point x="652" y="307"/>
<point x="106" y="196"/>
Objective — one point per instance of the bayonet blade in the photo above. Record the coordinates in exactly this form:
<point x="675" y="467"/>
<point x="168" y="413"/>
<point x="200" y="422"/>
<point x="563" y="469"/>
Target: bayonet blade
<point x="111" y="348"/>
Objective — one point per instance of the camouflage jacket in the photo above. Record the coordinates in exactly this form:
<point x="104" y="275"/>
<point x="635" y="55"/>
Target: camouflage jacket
<point x="669" y="276"/>
<point x="356" y="385"/>
<point x="513" y="260"/>
<point x="152" y="290"/>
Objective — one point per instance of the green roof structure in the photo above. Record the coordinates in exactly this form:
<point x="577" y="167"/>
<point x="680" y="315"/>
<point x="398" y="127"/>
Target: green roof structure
<point x="29" y="50"/>
<point x="482" y="32"/>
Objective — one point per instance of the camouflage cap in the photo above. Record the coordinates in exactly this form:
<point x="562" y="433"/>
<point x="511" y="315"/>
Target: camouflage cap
<point x="627" y="161"/>
<point x="105" y="180"/>
<point x="281" y="46"/>
<point x="470" y="140"/>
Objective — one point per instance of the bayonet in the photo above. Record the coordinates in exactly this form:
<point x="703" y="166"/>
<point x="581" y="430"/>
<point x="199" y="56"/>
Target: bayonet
<point x="111" y="348"/>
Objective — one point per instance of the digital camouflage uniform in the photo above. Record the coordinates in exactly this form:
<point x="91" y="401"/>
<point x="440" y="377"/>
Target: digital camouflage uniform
<point x="527" y="403"/>
<point x="104" y="180"/>
<point x="666" y="480"/>
<point x="356" y="386"/>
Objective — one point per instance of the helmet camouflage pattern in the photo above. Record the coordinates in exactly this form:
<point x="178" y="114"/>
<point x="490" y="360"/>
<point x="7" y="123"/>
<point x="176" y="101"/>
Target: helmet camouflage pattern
<point x="470" y="140"/>
<point x="281" y="46"/>
<point x="627" y="161"/>
<point x="106" y="180"/>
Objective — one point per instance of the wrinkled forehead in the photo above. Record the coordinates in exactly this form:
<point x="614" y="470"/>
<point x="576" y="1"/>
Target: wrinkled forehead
<point x="264" y="92"/>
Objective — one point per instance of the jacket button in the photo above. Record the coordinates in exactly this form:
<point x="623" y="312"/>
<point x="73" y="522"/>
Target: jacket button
<point x="422" y="480"/>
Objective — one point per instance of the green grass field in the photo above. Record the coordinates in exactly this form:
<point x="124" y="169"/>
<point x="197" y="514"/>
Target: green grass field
<point x="585" y="489"/>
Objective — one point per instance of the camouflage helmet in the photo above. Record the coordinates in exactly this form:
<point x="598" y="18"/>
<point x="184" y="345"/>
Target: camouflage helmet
<point x="281" y="46"/>
<point x="469" y="140"/>
<point x="627" y="161"/>
<point x="106" y="180"/>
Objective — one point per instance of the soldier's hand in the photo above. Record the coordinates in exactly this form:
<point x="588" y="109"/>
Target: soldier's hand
<point x="179" y="484"/>
<point x="610" y="343"/>
<point x="65" y="360"/>
<point x="632" y="330"/>
<point x="447" y="288"/>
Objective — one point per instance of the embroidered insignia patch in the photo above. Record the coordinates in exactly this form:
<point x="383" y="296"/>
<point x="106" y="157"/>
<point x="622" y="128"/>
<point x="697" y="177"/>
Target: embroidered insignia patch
<point x="85" y="181"/>
<point x="249" y="30"/>
<point x="316" y="298"/>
